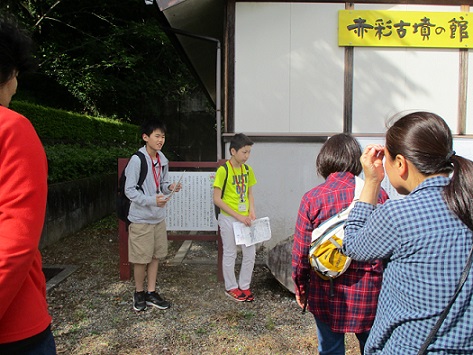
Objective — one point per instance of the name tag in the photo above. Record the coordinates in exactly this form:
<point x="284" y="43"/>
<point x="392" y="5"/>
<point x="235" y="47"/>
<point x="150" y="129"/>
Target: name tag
<point x="242" y="207"/>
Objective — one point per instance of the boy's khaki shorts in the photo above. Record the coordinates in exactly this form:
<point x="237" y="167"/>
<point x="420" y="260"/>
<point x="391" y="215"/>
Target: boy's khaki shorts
<point x="147" y="242"/>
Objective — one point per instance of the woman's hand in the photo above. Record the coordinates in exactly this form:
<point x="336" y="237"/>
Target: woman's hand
<point x="372" y="162"/>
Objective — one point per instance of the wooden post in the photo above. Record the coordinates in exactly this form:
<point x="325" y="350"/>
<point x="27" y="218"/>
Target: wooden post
<point x="125" y="268"/>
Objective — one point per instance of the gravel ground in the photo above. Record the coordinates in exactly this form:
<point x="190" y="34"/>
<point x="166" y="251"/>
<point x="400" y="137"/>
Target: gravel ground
<point x="92" y="308"/>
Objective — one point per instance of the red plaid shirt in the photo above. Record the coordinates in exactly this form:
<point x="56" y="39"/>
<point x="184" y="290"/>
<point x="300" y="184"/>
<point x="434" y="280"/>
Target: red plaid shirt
<point x="353" y="306"/>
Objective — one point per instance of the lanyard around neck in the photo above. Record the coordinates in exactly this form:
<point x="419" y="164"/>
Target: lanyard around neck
<point x="156" y="174"/>
<point x="242" y="188"/>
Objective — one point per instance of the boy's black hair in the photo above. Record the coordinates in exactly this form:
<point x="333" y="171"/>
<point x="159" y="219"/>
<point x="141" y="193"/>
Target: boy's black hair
<point x="148" y="127"/>
<point x="239" y="140"/>
<point x="15" y="50"/>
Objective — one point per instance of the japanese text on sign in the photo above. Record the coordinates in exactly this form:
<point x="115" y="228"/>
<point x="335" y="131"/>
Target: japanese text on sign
<point x="192" y="208"/>
<point x="403" y="29"/>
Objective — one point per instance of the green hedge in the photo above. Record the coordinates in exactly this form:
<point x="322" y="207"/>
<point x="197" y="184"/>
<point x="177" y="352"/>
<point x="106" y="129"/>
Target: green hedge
<point x="80" y="146"/>
<point x="69" y="162"/>
<point x="59" y="126"/>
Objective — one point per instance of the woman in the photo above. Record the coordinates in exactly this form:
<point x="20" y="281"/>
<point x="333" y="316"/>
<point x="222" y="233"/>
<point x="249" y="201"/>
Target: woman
<point x="352" y="307"/>
<point x="426" y="237"/>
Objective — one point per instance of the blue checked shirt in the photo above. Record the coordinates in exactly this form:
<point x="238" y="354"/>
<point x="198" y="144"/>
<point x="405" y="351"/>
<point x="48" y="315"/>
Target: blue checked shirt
<point x="426" y="247"/>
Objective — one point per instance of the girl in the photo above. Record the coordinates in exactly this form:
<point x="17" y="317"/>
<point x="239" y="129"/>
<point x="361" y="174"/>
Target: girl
<point x="349" y="304"/>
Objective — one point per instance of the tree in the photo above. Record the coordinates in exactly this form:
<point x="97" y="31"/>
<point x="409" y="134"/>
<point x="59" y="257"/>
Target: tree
<point x="111" y="56"/>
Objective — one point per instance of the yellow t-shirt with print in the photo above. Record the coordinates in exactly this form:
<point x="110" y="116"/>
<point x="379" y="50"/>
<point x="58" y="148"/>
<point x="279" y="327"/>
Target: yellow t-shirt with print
<point x="236" y="188"/>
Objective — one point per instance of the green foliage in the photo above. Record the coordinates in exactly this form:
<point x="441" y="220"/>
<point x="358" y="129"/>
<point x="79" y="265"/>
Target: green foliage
<point x="58" y="126"/>
<point x="111" y="56"/>
<point x="80" y="146"/>
<point x="69" y="162"/>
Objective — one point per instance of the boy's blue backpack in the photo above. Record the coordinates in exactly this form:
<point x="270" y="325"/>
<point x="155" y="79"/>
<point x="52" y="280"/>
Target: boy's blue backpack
<point x="123" y="202"/>
<point x="217" y="209"/>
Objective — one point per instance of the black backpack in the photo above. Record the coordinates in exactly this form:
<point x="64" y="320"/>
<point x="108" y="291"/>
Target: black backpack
<point x="217" y="209"/>
<point x="123" y="203"/>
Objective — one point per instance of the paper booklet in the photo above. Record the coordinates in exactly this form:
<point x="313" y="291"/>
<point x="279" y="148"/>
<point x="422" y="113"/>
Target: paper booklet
<point x="175" y="186"/>
<point x="259" y="232"/>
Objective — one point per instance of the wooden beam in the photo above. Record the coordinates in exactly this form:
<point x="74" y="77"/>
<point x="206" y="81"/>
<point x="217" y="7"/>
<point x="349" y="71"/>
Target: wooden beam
<point x="229" y="68"/>
<point x="463" y="85"/>
<point x="348" y="85"/>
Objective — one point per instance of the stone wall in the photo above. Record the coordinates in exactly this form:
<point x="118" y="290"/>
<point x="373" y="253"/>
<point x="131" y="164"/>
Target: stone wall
<point x="73" y="205"/>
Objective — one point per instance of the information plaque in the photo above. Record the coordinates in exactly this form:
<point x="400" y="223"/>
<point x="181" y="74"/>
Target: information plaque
<point x="192" y="208"/>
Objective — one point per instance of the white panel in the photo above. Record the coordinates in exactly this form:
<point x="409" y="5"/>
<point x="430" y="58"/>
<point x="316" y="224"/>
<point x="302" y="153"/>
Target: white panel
<point x="317" y="69"/>
<point x="285" y="171"/>
<point x="262" y="67"/>
<point x="276" y="44"/>
<point x="464" y="147"/>
<point x="390" y="80"/>
<point x="289" y="73"/>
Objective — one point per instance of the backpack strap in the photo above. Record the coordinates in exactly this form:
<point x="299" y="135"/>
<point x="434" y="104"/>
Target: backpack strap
<point x="143" y="170"/>
<point x="359" y="183"/>
<point x="226" y="178"/>
<point x="443" y="315"/>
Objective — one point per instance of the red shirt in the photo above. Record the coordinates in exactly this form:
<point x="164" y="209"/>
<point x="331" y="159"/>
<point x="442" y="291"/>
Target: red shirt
<point x="23" y="194"/>
<point x="353" y="306"/>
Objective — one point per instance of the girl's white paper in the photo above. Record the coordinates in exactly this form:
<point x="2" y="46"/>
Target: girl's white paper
<point x="259" y="232"/>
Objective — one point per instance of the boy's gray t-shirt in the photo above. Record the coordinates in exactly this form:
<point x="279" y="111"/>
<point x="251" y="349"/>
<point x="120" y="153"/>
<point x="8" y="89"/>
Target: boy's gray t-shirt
<point x="143" y="208"/>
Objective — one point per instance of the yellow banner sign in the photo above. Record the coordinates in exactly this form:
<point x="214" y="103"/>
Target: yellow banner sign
<point x="403" y="29"/>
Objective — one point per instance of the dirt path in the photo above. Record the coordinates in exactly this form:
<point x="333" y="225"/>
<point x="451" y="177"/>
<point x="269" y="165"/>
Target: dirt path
<point x="92" y="310"/>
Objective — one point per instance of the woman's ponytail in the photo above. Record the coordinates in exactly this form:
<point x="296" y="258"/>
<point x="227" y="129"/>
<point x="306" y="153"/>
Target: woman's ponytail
<point x="459" y="192"/>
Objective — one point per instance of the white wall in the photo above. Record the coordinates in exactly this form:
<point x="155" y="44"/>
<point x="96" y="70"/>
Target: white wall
<point x="285" y="171"/>
<point x="289" y="79"/>
<point x="289" y="73"/>
<point x="390" y="80"/>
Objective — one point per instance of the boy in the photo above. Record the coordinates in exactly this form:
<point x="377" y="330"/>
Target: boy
<point x="147" y="237"/>
<point x="237" y="205"/>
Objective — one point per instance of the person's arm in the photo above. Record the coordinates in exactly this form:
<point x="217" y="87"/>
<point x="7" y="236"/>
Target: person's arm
<point x="371" y="232"/>
<point x="251" y="200"/>
<point x="23" y="195"/>
<point x="300" y="250"/>
<point x="217" y="198"/>
<point x="132" y="173"/>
